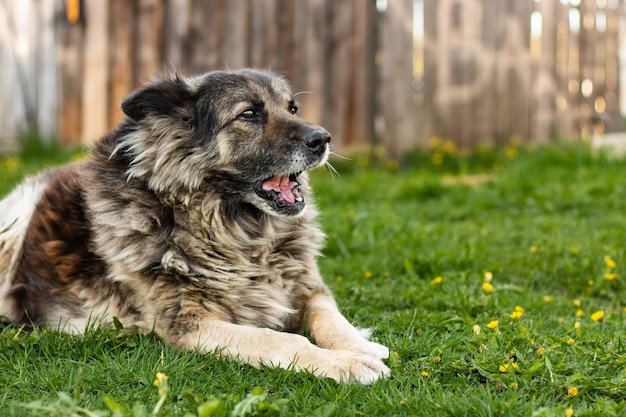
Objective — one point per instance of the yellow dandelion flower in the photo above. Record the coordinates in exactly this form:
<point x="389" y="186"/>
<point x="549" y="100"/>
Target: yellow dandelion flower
<point x="161" y="383"/>
<point x="624" y="309"/>
<point x="515" y="366"/>
<point x="434" y="142"/>
<point x="561" y="320"/>
<point x="572" y="392"/>
<point x="574" y="250"/>
<point x="368" y="275"/>
<point x="493" y="324"/>
<point x="577" y="303"/>
<point x="504" y="368"/>
<point x="11" y="162"/>
<point x="514" y="386"/>
<point x="488" y="276"/>
<point x="579" y="312"/>
<point x="533" y="249"/>
<point x="591" y="282"/>
<point x="449" y="147"/>
<point x="424" y="374"/>
<point x="520" y="309"/>
<point x="577" y="325"/>
<point x="547" y="299"/>
<point x="610" y="276"/>
<point x="476" y="329"/>
<point x="609" y="262"/>
<point x="512" y="352"/>
<point x="516" y="315"/>
<point x="540" y="351"/>
<point x="512" y="152"/>
<point x="487" y="288"/>
<point x="339" y="278"/>
<point x="437" y="359"/>
<point x="569" y="412"/>
<point x="437" y="281"/>
<point x="570" y="341"/>
<point x="160" y="378"/>
<point x="436" y="158"/>
<point x="597" y="316"/>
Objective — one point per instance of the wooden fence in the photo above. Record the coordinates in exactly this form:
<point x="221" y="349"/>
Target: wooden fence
<point x="396" y="72"/>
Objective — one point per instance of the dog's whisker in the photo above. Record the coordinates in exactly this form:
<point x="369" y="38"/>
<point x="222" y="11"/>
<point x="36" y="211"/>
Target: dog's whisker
<point x="331" y="169"/>
<point x="301" y="92"/>
<point x="345" y="158"/>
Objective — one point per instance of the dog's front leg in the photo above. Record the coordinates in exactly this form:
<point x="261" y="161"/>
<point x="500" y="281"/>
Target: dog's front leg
<point x="331" y="330"/>
<point x="261" y="346"/>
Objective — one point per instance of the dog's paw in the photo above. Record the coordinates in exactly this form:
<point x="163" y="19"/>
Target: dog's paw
<point x="362" y="345"/>
<point x="346" y="366"/>
<point x="373" y="349"/>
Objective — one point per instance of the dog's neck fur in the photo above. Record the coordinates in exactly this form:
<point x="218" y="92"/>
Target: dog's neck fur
<point x="227" y="220"/>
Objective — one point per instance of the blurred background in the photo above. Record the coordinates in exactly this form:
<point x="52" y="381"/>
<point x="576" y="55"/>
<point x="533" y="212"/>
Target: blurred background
<point x="395" y="73"/>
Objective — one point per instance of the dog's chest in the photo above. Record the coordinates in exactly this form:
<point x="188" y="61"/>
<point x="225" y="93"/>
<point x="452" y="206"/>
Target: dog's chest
<point x="259" y="279"/>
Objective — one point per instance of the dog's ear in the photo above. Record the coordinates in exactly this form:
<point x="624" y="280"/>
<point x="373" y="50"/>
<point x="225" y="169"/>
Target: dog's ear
<point x="168" y="97"/>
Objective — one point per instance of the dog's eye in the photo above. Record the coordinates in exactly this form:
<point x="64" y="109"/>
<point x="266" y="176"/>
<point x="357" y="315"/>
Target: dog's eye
<point x="249" y="114"/>
<point x="293" y="109"/>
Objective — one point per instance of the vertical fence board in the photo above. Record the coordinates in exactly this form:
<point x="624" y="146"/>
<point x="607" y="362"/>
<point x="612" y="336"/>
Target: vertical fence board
<point x="314" y="61"/>
<point x="587" y="55"/>
<point x="544" y="92"/>
<point x="427" y="100"/>
<point x="263" y="34"/>
<point x="613" y="118"/>
<point x="484" y="110"/>
<point x="175" y="33"/>
<point x="204" y="31"/>
<point x="47" y="74"/>
<point x="518" y="70"/>
<point x="362" y="77"/>
<point x="565" y="126"/>
<point x="95" y="113"/>
<point x="121" y="59"/>
<point x="285" y="45"/>
<point x="397" y="77"/>
<point x="149" y="40"/>
<point x="235" y="35"/>
<point x="70" y="38"/>
<point x="340" y="69"/>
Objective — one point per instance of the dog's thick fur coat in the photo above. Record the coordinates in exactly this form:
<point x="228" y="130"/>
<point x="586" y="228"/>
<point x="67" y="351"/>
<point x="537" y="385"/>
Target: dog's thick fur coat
<point x="193" y="219"/>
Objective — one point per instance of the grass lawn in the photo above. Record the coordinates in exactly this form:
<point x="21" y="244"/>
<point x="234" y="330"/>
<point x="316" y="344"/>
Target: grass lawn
<point x="496" y="278"/>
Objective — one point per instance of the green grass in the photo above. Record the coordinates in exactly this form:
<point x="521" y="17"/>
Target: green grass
<point x="408" y="253"/>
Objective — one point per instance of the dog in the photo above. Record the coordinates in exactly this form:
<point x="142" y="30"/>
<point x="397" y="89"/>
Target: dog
<point x="192" y="220"/>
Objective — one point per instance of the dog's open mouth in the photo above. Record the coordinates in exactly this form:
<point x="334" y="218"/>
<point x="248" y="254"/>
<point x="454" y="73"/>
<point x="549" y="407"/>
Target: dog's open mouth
<point x="282" y="193"/>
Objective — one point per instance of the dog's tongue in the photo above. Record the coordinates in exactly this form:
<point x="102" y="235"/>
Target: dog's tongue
<point x="282" y="185"/>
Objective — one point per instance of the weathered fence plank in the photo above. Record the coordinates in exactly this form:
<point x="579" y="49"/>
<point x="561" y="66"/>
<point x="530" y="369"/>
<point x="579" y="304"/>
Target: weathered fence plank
<point x="121" y="64"/>
<point x="70" y="37"/>
<point x="397" y="77"/>
<point x="95" y="113"/>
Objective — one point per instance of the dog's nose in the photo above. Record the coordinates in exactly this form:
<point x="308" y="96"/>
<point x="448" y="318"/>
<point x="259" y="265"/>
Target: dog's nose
<point x="316" y="138"/>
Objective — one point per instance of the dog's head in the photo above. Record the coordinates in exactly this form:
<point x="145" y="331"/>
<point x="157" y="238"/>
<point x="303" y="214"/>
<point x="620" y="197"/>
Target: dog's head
<point x="234" y="131"/>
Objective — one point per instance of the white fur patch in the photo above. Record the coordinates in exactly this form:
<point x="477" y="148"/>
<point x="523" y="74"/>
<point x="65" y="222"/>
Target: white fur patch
<point x="16" y="210"/>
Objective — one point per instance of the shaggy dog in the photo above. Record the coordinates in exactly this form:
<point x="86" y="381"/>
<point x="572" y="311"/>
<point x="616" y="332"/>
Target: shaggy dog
<point x="193" y="220"/>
